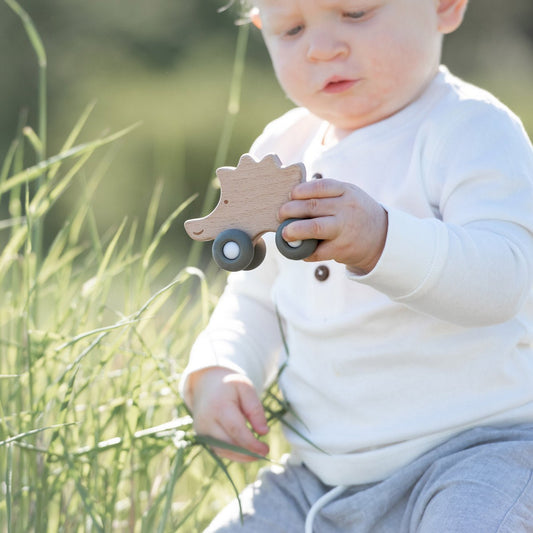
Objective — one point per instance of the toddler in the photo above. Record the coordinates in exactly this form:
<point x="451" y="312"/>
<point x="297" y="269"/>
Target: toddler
<point x="409" y="367"/>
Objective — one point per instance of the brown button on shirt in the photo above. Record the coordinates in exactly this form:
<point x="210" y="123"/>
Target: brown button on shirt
<point x="322" y="273"/>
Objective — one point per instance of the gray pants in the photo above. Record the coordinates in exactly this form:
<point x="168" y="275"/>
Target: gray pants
<point x="480" y="481"/>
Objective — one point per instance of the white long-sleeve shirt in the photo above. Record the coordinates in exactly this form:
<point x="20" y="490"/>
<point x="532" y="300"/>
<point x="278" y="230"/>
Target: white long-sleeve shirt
<point x="437" y="338"/>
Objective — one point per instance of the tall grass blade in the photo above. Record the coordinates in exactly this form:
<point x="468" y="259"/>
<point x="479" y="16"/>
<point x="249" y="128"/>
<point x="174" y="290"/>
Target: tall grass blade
<point x="35" y="171"/>
<point x="109" y="252"/>
<point x="9" y="485"/>
<point x="84" y="212"/>
<point x="151" y="214"/>
<point x="30" y="433"/>
<point x="49" y="193"/>
<point x="10" y="252"/>
<point x="30" y="30"/>
<point x="224" y="469"/>
<point x="74" y="134"/>
<point x="103" y="329"/>
<point x="36" y="143"/>
<point x="163" y="230"/>
<point x="217" y="443"/>
<point x="85" y="497"/>
<point x="174" y="475"/>
<point x="227" y="128"/>
<point x="39" y="141"/>
<point x="8" y="160"/>
<point x="40" y="52"/>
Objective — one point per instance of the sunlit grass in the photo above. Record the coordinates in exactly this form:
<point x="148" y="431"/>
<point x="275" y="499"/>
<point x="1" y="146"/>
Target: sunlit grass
<point x="92" y="430"/>
<point x="93" y="339"/>
<point x="94" y="333"/>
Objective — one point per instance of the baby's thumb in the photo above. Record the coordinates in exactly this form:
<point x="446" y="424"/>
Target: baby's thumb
<point x="253" y="409"/>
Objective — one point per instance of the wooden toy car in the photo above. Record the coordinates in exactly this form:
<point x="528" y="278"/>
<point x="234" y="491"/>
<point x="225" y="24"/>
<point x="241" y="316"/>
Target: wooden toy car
<point x="250" y="197"/>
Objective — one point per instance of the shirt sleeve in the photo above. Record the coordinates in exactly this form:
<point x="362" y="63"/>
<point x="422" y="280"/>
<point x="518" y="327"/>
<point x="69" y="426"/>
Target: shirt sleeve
<point x="472" y="264"/>
<point x="243" y="333"/>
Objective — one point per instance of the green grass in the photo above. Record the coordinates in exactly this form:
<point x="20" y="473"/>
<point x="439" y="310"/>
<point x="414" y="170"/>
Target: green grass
<point x="94" y="333"/>
<point x="93" y="434"/>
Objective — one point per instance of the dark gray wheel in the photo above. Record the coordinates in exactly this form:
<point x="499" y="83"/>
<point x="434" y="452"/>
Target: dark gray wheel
<point x="233" y="250"/>
<point x="259" y="254"/>
<point x="294" y="250"/>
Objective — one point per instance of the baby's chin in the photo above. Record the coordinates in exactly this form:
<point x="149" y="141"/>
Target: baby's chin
<point x="346" y="126"/>
<point x="350" y="122"/>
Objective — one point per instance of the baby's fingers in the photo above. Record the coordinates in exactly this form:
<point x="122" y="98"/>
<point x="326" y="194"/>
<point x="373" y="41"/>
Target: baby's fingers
<point x="228" y="451"/>
<point x="324" y="228"/>
<point x="252" y="408"/>
<point x="314" y="199"/>
<point x="225" y="405"/>
<point x="323" y="188"/>
<point x="232" y="428"/>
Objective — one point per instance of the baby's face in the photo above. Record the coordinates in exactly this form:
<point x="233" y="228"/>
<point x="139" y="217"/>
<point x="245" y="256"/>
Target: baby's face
<point x="352" y="62"/>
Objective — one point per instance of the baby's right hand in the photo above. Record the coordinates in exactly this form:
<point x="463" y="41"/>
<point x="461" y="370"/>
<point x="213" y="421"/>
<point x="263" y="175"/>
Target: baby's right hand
<point x="222" y="402"/>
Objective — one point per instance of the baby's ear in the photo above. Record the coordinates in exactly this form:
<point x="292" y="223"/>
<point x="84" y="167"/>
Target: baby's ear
<point x="450" y="14"/>
<point x="255" y="17"/>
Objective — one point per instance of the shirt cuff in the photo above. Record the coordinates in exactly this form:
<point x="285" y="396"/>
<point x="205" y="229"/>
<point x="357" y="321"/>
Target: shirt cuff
<point x="413" y="257"/>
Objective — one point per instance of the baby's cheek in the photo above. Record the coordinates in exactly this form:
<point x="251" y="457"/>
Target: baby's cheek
<point x="291" y="79"/>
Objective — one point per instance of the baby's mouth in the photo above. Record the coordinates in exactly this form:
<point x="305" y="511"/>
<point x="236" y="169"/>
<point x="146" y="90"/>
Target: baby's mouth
<point x="338" y="85"/>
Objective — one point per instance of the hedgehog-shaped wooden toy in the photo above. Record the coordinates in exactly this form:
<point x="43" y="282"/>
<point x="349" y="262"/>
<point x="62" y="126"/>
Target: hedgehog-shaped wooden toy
<point x="250" y="197"/>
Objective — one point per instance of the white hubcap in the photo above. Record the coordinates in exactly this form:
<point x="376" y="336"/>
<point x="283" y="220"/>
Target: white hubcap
<point x="295" y="244"/>
<point x="231" y="250"/>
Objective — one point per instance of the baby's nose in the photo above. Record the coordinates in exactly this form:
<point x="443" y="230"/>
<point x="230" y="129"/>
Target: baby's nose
<point x="325" y="46"/>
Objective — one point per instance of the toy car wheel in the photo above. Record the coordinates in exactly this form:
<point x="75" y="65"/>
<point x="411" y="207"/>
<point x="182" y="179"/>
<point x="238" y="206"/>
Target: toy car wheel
<point x="233" y="250"/>
<point x="259" y="254"/>
<point x="296" y="249"/>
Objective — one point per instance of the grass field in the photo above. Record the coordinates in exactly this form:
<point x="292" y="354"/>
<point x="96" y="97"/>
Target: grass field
<point x="93" y="434"/>
<point x="94" y="333"/>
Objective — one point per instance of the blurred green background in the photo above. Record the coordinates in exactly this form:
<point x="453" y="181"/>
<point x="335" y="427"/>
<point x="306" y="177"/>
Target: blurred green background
<point x="168" y="63"/>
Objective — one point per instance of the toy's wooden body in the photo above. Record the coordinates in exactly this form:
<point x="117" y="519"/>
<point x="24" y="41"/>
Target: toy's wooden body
<point x="251" y="195"/>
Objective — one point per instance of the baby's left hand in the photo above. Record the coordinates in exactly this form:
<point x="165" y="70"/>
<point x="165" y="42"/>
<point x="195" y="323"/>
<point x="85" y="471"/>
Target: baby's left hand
<point x="351" y="225"/>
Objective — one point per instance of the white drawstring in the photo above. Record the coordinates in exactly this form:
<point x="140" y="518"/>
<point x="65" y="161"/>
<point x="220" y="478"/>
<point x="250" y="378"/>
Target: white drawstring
<point x="319" y="504"/>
